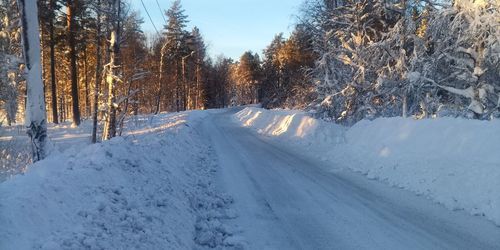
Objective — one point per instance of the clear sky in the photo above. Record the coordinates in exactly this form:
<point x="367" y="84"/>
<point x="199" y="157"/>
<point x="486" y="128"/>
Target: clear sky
<point x="230" y="27"/>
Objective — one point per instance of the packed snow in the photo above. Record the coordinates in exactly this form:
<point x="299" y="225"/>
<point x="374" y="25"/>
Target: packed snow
<point x="452" y="161"/>
<point x="150" y="189"/>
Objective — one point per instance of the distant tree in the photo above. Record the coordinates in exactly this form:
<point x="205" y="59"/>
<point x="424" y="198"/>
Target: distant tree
<point x="218" y="84"/>
<point x="173" y="53"/>
<point x="287" y="66"/>
<point x="198" y="58"/>
<point x="272" y="73"/>
<point x="247" y="76"/>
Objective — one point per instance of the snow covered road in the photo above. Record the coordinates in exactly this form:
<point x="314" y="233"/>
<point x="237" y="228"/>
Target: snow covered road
<point x="286" y="200"/>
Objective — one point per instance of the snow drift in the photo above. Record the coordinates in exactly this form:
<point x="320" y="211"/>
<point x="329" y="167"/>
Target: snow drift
<point x="452" y="161"/>
<point x="150" y="189"/>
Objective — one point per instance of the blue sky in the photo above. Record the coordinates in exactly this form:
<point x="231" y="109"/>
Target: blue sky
<point x="230" y="27"/>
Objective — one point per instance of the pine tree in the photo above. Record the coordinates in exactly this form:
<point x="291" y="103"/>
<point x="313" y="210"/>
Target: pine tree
<point x="199" y="49"/>
<point x="71" y="8"/>
<point x="173" y="53"/>
<point x="247" y="76"/>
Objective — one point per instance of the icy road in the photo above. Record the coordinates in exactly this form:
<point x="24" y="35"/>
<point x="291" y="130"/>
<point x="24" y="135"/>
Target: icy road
<point x="286" y="200"/>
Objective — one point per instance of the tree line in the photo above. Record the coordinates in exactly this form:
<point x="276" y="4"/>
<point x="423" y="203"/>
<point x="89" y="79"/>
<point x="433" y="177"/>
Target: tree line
<point x="345" y="60"/>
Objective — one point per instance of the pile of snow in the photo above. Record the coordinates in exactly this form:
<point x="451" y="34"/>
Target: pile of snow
<point x="295" y="126"/>
<point x="452" y="161"/>
<point x="150" y="189"/>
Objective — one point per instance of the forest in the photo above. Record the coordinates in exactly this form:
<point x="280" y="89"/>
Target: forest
<point x="344" y="61"/>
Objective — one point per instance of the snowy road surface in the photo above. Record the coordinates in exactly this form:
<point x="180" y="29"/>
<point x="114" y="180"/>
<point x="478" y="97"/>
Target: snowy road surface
<point x="285" y="200"/>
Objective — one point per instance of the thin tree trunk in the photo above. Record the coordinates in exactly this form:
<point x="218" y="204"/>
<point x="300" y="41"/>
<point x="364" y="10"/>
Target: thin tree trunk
<point x="160" y="79"/>
<point x="86" y="81"/>
<point x="177" y="88"/>
<point x="72" y="55"/>
<point x="35" y="112"/>
<point x="198" y="76"/>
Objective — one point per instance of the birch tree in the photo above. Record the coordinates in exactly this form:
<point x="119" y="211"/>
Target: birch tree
<point x="35" y="107"/>
<point x="113" y="75"/>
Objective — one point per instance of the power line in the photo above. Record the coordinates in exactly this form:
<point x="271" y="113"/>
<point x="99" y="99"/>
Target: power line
<point x="162" y="15"/>
<point x="150" y="19"/>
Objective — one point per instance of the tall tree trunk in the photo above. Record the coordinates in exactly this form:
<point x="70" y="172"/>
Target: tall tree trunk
<point x="53" y="86"/>
<point x="113" y="74"/>
<point x="35" y="107"/>
<point x="177" y="88"/>
<point x="72" y="55"/>
<point x="98" y="70"/>
<point x="198" y="76"/>
<point x="184" y="84"/>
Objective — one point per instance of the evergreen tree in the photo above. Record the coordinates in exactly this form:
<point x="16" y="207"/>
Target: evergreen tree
<point x="247" y="75"/>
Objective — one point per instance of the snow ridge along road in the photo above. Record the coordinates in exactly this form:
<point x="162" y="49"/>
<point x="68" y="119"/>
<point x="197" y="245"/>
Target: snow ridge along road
<point x="153" y="188"/>
<point x="286" y="200"/>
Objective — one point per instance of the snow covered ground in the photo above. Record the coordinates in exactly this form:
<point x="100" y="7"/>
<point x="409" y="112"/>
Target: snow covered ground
<point x="201" y="179"/>
<point x="452" y="161"/>
<point x="14" y="146"/>
<point x="150" y="189"/>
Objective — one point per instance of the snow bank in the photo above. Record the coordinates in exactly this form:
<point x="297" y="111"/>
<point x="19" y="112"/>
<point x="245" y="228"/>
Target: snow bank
<point x="291" y="125"/>
<point x="452" y="161"/>
<point x="150" y="189"/>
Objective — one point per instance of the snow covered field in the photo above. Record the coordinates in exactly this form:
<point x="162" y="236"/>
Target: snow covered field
<point x="454" y="162"/>
<point x="150" y="189"/>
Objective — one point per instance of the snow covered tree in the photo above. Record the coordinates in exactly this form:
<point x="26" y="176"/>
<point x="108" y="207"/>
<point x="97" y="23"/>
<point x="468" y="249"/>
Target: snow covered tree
<point x="113" y="71"/>
<point x="463" y="59"/>
<point x="413" y="57"/>
<point x="35" y="107"/>
<point x="346" y="77"/>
